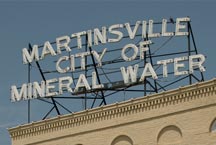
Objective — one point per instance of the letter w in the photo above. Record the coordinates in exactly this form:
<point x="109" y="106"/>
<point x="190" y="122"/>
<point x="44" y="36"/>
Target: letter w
<point x="130" y="74"/>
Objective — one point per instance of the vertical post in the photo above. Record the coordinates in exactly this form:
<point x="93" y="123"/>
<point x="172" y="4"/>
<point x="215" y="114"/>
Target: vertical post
<point x="29" y="79"/>
<point x="43" y="77"/>
<point x="189" y="49"/>
<point x="145" y="61"/>
<point x="150" y="57"/>
<point x="86" y="47"/>
<point x="98" y="78"/>
<point x="194" y="44"/>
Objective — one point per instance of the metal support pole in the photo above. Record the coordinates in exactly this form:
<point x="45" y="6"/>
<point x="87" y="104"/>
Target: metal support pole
<point x="145" y="61"/>
<point x="29" y="79"/>
<point x="98" y="78"/>
<point x="189" y="49"/>
<point x="150" y="57"/>
<point x="43" y="77"/>
<point x="194" y="44"/>
<point x="86" y="46"/>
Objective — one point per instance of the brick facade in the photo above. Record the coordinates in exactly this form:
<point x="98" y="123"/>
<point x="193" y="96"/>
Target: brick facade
<point x="184" y="116"/>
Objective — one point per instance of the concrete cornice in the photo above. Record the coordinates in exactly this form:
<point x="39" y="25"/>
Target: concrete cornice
<point x="146" y="103"/>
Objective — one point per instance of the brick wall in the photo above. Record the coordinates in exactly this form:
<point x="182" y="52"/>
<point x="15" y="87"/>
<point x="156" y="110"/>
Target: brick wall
<point x="184" y="116"/>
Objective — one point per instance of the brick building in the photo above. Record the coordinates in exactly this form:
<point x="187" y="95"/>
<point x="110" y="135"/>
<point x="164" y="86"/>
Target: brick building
<point x="184" y="116"/>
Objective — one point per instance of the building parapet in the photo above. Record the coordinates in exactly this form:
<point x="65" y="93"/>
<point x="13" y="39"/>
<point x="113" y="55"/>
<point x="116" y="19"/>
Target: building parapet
<point x="142" y="104"/>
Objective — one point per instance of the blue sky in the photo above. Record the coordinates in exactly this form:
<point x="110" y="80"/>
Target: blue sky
<point x="35" y="22"/>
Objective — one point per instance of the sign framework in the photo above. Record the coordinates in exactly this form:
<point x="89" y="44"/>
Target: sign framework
<point x="135" y="62"/>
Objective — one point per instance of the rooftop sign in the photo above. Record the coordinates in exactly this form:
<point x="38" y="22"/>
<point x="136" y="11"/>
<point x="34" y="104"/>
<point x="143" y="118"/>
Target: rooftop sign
<point x="76" y="61"/>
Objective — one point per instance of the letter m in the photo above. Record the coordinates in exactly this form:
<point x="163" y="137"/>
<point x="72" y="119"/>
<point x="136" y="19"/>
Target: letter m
<point x="27" y="57"/>
<point x="16" y="96"/>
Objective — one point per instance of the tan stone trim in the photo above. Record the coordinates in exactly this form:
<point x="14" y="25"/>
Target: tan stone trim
<point x="155" y="101"/>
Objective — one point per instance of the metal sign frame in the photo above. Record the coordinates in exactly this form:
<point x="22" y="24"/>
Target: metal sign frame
<point x="101" y="95"/>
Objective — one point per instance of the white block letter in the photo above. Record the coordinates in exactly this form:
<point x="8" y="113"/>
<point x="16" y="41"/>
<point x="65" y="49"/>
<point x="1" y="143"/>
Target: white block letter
<point x="100" y="36"/>
<point x="27" y="58"/>
<point x="50" y="89"/>
<point x="65" y="85"/>
<point x="115" y="32"/>
<point x="164" y="29"/>
<point x="135" y="49"/>
<point x="178" y="65"/>
<point x="62" y="42"/>
<point x="144" y="47"/>
<point x="130" y="74"/>
<point x="16" y="96"/>
<point x="99" y="57"/>
<point x="79" y="39"/>
<point x="82" y="82"/>
<point x="131" y="33"/>
<point x="47" y="49"/>
<point x="164" y="63"/>
<point x="94" y="82"/>
<point x="39" y="89"/>
<point x="180" y="26"/>
<point x="148" y="71"/>
<point x="193" y="64"/>
<point x="150" y="30"/>
<point x="58" y="68"/>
